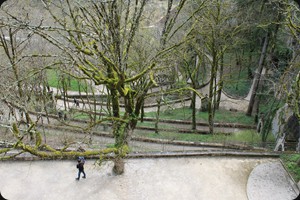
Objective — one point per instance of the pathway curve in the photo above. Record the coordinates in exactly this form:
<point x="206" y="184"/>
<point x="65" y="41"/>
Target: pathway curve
<point x="226" y="102"/>
<point x="270" y="181"/>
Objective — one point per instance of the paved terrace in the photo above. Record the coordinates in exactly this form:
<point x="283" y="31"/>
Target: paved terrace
<point x="209" y="178"/>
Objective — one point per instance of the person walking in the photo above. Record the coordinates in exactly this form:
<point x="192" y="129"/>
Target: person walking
<point x="80" y="167"/>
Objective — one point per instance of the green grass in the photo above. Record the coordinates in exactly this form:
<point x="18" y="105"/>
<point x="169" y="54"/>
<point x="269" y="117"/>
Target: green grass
<point x="249" y="137"/>
<point x="82" y="116"/>
<point x="290" y="162"/>
<point x="55" y="80"/>
<point x="52" y="78"/>
<point x="221" y="116"/>
<point x="151" y="124"/>
<point x="236" y="85"/>
<point x="175" y="136"/>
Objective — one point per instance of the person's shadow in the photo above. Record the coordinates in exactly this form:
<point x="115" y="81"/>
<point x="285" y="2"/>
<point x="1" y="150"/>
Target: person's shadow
<point x="1" y="197"/>
<point x="2" y="1"/>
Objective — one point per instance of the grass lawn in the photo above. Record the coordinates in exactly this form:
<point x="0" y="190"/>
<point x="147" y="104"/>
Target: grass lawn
<point x="237" y="84"/>
<point x="249" y="137"/>
<point x="55" y="80"/>
<point x="221" y="116"/>
<point x="290" y="162"/>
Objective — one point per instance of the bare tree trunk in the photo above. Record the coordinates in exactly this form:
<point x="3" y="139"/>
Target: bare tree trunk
<point x="221" y="82"/>
<point x="250" y="75"/>
<point x="142" y="112"/>
<point x="210" y="101"/>
<point x="157" y="115"/>
<point x="212" y="89"/>
<point x="119" y="166"/>
<point x="195" y="84"/>
<point x="239" y="64"/>
<point x="194" y="124"/>
<point x="257" y="76"/>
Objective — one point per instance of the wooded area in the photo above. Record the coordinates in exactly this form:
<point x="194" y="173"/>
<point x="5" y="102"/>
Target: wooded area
<point x="131" y="48"/>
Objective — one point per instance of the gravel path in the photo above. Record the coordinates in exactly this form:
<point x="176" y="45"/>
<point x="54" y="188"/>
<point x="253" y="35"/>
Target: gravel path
<point x="226" y="102"/>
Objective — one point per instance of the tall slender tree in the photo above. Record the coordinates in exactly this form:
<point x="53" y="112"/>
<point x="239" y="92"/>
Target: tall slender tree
<point x="214" y="28"/>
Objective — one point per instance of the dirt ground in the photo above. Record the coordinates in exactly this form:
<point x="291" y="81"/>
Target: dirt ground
<point x="215" y="178"/>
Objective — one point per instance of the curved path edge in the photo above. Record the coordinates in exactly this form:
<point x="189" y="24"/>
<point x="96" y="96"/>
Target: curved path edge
<point x="271" y="181"/>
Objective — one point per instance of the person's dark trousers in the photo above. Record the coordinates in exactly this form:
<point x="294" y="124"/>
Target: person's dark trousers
<point x="79" y="172"/>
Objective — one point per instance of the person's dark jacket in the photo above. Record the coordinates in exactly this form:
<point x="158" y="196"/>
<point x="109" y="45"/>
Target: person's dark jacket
<point x="80" y="166"/>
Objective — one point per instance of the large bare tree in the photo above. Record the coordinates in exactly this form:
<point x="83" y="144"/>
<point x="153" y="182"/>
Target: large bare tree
<point x="94" y="41"/>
